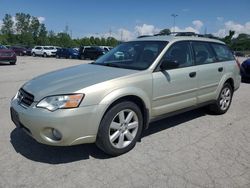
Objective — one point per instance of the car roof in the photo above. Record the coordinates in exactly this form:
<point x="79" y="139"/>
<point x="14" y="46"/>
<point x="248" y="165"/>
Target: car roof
<point x="170" y="38"/>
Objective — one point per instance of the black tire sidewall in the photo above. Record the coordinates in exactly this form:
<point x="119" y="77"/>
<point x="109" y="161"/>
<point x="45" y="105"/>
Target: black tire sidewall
<point x="103" y="141"/>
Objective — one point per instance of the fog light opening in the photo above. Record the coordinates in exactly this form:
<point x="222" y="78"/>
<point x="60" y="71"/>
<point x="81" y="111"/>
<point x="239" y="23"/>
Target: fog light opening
<point x="57" y="136"/>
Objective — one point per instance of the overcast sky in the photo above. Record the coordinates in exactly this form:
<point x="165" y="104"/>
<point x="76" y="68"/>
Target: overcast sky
<point x="127" y="19"/>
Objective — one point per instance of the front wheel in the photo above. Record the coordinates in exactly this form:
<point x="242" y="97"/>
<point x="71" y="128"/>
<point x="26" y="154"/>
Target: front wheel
<point x="45" y="55"/>
<point x="224" y="100"/>
<point x="120" y="128"/>
<point x="13" y="62"/>
<point x="33" y="54"/>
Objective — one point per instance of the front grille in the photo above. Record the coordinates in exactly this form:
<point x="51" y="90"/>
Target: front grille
<point x="5" y="54"/>
<point x="25" y="98"/>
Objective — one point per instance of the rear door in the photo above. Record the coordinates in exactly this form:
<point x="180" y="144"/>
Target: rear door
<point x="175" y="88"/>
<point x="209" y="71"/>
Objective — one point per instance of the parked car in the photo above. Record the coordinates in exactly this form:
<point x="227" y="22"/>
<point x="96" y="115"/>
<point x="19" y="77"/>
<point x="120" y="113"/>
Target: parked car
<point x="90" y="52"/>
<point x="239" y="54"/>
<point x="245" y="70"/>
<point x="106" y="48"/>
<point x="44" y="51"/>
<point x="7" y="55"/>
<point x="21" y="51"/>
<point x="67" y="53"/>
<point x="111" y="101"/>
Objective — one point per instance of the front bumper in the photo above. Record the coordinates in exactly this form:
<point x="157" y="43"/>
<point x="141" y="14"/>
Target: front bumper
<point x="77" y="125"/>
<point x="8" y="59"/>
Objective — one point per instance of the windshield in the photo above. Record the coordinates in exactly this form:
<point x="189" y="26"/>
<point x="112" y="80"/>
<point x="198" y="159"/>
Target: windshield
<point x="138" y="55"/>
<point x="2" y="47"/>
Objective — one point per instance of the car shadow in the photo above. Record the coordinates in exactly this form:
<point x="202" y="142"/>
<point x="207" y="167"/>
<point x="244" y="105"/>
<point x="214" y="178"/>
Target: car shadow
<point x="5" y="64"/>
<point x="29" y="148"/>
<point x="173" y="121"/>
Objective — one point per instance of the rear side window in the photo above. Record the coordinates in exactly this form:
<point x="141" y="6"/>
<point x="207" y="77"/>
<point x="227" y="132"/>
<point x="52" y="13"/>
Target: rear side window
<point x="180" y="53"/>
<point x="203" y="53"/>
<point x="222" y="52"/>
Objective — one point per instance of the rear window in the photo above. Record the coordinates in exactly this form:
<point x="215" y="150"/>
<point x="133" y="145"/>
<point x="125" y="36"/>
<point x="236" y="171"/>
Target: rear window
<point x="222" y="52"/>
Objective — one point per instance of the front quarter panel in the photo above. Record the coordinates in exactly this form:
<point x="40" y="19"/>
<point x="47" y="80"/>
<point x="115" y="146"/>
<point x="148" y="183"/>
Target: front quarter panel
<point x="105" y="93"/>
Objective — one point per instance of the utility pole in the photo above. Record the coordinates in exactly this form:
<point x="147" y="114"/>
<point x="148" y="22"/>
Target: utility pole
<point x="110" y="32"/>
<point x="174" y="16"/>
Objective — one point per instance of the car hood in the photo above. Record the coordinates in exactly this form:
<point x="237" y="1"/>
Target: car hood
<point x="5" y="50"/>
<point x="72" y="79"/>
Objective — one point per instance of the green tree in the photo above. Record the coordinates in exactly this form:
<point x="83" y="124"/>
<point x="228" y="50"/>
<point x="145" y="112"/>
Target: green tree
<point x="64" y="40"/>
<point x="7" y="25"/>
<point x="34" y="26"/>
<point x="42" y="36"/>
<point x="22" y="23"/>
<point x="164" y="32"/>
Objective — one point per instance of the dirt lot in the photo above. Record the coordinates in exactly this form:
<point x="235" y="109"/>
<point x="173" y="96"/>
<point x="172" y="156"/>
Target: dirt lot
<point x="193" y="149"/>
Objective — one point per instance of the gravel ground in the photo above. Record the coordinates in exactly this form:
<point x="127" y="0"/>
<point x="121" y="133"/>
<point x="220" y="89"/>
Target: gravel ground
<point x="193" y="149"/>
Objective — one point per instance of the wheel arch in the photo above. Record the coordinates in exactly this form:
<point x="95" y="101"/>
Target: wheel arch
<point x="139" y="98"/>
<point x="226" y="79"/>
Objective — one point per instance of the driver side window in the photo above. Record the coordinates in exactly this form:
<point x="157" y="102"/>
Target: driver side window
<point x="178" y="56"/>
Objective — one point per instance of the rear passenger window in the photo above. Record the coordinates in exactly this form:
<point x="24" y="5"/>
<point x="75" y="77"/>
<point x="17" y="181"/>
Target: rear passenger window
<point x="203" y="53"/>
<point x="222" y="52"/>
<point x="180" y="53"/>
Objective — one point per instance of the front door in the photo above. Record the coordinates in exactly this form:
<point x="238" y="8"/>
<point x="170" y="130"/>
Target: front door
<point x="176" y="87"/>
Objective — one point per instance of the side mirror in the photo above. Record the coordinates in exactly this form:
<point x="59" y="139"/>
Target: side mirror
<point x="169" y="64"/>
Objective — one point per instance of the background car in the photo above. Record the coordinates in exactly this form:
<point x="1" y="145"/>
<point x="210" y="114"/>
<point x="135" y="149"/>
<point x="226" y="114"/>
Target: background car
<point x="245" y="70"/>
<point x="90" y="52"/>
<point x="44" y="51"/>
<point x="7" y="55"/>
<point x="67" y="53"/>
<point x="239" y="54"/>
<point x="106" y="48"/>
<point x="19" y="50"/>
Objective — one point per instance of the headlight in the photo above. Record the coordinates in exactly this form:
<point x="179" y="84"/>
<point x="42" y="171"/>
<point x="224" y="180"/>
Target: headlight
<point x="53" y="103"/>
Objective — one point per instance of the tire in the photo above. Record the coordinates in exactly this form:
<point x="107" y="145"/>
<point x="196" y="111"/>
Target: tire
<point x="70" y="57"/>
<point x="21" y="54"/>
<point x="82" y="57"/>
<point x="57" y="56"/>
<point x="120" y="128"/>
<point x="13" y="63"/>
<point x="224" y="100"/>
<point x="33" y="54"/>
<point x="45" y="55"/>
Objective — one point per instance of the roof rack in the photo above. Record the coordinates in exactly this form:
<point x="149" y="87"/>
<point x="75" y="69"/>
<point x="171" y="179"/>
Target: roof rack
<point x="182" y="34"/>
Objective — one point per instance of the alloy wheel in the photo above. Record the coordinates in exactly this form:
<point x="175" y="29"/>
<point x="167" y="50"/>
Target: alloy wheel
<point x="225" y="98"/>
<point x="123" y="128"/>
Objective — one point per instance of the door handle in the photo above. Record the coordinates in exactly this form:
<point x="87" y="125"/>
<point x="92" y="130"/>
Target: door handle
<point x="192" y="74"/>
<point x="220" y="69"/>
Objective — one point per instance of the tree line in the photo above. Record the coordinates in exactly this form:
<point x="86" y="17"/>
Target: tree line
<point x="28" y="31"/>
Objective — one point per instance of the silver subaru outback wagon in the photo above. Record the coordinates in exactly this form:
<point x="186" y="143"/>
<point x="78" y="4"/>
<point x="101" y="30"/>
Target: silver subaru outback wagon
<point x="112" y="100"/>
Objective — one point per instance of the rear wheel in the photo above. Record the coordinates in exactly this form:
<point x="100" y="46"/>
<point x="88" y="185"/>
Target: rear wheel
<point x="45" y="55"/>
<point x="82" y="57"/>
<point x="120" y="128"/>
<point x="224" y="100"/>
<point x="70" y="56"/>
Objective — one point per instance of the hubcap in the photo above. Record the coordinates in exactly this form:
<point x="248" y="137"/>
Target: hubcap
<point x="225" y="99"/>
<point x="123" y="128"/>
